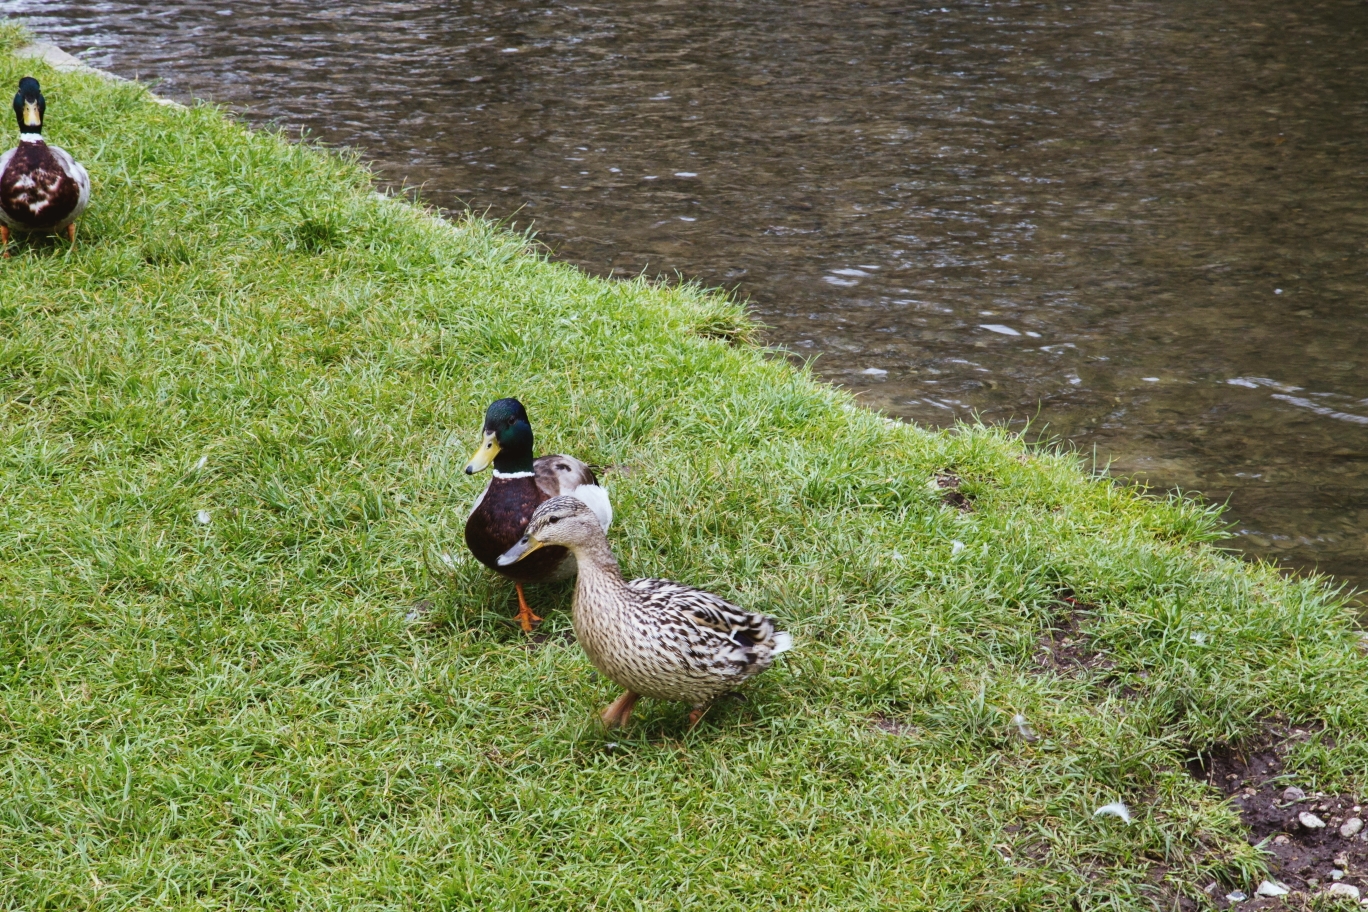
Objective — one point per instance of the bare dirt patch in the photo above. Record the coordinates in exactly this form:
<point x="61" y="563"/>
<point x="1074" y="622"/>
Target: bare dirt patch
<point x="1316" y="840"/>
<point x="1066" y="647"/>
<point x="948" y="483"/>
<point x="891" y="726"/>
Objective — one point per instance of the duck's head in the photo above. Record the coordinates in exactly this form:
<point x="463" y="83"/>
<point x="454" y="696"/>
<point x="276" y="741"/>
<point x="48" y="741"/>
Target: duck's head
<point x="566" y="521"/>
<point x="29" y="106"/>
<point x="507" y="440"/>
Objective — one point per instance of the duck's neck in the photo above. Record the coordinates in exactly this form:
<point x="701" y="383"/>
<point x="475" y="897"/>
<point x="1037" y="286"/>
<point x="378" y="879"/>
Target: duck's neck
<point x="515" y="463"/>
<point x="598" y="576"/>
<point x="30" y="136"/>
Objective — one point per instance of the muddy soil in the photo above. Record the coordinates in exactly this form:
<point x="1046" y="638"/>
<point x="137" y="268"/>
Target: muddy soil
<point x="1317" y="840"/>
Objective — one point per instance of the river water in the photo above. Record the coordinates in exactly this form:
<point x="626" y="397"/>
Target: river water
<point x="1141" y="227"/>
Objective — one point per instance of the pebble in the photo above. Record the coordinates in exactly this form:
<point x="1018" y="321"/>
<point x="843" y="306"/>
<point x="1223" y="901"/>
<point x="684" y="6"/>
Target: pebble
<point x="1351" y="827"/>
<point x="1281" y="839"/>
<point x="1310" y="821"/>
<point x="1336" y="874"/>
<point x="1292" y="793"/>
<point x="1272" y="888"/>
<point x="1343" y="889"/>
<point x="1236" y="896"/>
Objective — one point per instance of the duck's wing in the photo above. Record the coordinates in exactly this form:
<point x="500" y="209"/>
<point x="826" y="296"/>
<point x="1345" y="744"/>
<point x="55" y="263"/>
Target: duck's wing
<point x="756" y="635"/>
<point x="561" y="476"/>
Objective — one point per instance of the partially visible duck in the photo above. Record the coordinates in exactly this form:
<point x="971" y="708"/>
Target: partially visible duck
<point x="651" y="637"/>
<point x="521" y="484"/>
<point x="42" y="188"/>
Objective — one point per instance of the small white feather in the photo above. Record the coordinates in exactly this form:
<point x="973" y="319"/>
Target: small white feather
<point x="1023" y="728"/>
<point x="1115" y="809"/>
<point x="783" y="642"/>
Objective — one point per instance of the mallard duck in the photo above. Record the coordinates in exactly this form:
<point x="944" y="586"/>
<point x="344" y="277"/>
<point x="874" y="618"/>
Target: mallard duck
<point x="42" y="188"/>
<point x="521" y="484"/>
<point x="652" y="637"/>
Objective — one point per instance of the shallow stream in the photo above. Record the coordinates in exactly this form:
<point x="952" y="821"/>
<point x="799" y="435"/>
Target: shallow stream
<point x="1140" y="226"/>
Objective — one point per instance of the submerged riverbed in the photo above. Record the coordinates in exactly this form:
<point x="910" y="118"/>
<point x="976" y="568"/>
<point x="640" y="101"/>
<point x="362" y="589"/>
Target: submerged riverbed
<point x="1140" y="227"/>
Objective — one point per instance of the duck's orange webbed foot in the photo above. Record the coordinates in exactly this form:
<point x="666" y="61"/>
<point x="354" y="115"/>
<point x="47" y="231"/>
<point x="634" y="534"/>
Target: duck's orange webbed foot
<point x="620" y="710"/>
<point x="526" y="618"/>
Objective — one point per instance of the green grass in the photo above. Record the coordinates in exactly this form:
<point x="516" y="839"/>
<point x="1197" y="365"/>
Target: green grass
<point x="241" y="715"/>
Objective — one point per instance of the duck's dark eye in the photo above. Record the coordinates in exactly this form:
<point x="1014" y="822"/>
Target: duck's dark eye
<point x="554" y="519"/>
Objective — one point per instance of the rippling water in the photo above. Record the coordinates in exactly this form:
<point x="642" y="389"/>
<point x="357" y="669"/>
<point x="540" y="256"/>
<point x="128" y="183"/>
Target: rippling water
<point x="1141" y="226"/>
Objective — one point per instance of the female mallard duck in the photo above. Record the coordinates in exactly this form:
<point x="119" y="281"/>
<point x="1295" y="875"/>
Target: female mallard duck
<point x="653" y="637"/>
<point x="521" y="484"/>
<point x="42" y="188"/>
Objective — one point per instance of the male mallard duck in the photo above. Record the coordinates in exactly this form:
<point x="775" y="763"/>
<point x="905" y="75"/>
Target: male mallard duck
<point x="521" y="484"/>
<point x="652" y="637"/>
<point x="42" y="188"/>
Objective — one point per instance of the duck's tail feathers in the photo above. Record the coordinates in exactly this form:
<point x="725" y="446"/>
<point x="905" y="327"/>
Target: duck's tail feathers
<point x="597" y="499"/>
<point x="783" y="642"/>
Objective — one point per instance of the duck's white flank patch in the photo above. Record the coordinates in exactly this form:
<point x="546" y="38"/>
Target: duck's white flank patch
<point x="783" y="642"/>
<point x="498" y="474"/>
<point x="597" y="499"/>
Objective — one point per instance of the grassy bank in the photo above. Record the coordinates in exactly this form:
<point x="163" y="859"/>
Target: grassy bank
<point x="315" y="700"/>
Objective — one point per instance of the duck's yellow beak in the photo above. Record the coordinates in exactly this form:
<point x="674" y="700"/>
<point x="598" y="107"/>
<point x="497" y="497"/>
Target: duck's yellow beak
<point x="524" y="547"/>
<point x="32" y="116"/>
<point x="484" y="454"/>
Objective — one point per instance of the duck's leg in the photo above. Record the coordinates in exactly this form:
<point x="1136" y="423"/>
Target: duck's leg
<point x="620" y="710"/>
<point x="696" y="715"/>
<point x="4" y="240"/>
<point x="525" y="616"/>
<point x="71" y="233"/>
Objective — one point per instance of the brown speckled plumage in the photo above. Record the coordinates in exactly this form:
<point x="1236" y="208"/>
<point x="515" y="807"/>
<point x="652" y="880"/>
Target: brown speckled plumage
<point x="653" y="637"/>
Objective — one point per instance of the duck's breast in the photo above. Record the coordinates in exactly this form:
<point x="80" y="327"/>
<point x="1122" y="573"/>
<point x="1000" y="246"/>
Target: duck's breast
<point x="497" y="522"/>
<point x="36" y="191"/>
